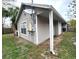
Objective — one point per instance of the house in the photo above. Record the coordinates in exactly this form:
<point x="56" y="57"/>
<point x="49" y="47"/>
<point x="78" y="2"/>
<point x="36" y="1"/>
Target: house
<point x="37" y="23"/>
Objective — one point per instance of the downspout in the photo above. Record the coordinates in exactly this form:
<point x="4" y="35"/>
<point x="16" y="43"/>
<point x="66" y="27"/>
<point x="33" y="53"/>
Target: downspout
<point x="51" y="32"/>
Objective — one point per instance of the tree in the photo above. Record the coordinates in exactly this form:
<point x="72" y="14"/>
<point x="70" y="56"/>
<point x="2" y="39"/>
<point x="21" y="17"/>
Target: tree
<point x="5" y="13"/>
<point x="71" y="13"/>
<point x="11" y="12"/>
<point x="72" y="23"/>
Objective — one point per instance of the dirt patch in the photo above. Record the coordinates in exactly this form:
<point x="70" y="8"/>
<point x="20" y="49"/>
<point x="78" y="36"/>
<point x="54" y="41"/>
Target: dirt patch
<point x="40" y="51"/>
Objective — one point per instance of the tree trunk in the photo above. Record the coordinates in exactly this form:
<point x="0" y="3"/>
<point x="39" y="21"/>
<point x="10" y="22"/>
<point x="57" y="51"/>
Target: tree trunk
<point x="13" y="28"/>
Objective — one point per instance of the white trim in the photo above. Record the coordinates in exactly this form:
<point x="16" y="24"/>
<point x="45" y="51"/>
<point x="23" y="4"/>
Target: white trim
<point x="36" y="30"/>
<point x="51" y="31"/>
<point x="25" y="27"/>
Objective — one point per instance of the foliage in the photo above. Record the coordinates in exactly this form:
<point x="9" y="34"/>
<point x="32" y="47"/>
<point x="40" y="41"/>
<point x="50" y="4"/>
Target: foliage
<point x="5" y="13"/>
<point x="11" y="12"/>
<point x="72" y="23"/>
<point x="71" y="13"/>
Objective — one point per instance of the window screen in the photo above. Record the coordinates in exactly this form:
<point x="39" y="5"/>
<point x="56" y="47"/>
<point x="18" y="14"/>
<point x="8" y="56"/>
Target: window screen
<point x="23" y="28"/>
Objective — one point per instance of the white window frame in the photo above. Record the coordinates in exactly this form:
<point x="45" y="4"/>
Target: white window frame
<point x="25" y="27"/>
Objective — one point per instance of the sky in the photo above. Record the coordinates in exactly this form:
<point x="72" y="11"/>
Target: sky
<point x="7" y="22"/>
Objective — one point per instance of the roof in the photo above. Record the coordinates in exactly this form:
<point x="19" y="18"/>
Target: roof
<point x="38" y="5"/>
<point x="43" y="6"/>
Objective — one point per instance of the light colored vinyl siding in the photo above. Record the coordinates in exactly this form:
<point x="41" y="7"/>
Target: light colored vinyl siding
<point x="43" y="29"/>
<point x="25" y="18"/>
<point x="55" y="28"/>
<point x="59" y="28"/>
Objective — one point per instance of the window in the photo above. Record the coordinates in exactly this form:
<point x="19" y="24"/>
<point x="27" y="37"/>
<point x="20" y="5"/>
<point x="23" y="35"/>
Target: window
<point x="23" y="28"/>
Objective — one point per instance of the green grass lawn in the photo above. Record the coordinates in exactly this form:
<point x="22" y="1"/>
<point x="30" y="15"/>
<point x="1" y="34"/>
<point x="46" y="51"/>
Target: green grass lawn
<point x="9" y="50"/>
<point x="67" y="50"/>
<point x="26" y="50"/>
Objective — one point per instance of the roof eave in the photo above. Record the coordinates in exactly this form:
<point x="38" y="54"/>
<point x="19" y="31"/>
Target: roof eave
<point x="50" y="7"/>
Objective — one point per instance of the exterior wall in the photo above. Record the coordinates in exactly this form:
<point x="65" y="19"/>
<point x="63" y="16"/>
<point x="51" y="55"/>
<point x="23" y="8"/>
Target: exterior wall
<point x="64" y="27"/>
<point x="43" y="29"/>
<point x="55" y="28"/>
<point x="42" y="26"/>
<point x="25" y="18"/>
<point x="59" y="28"/>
